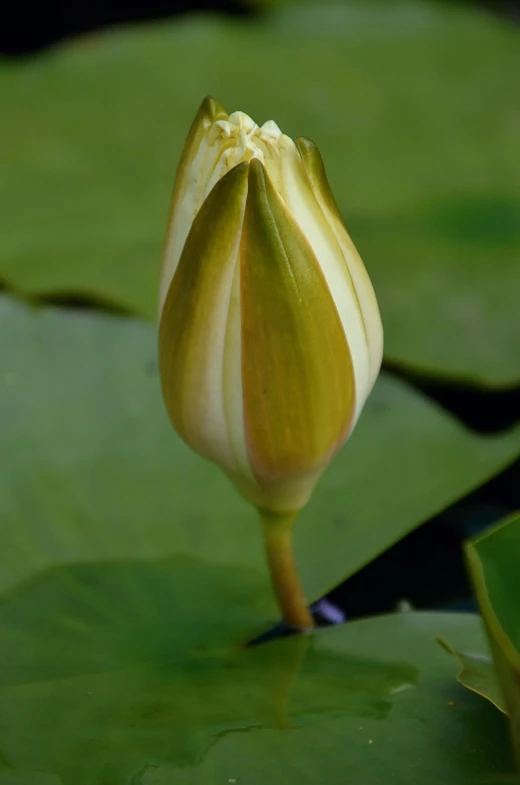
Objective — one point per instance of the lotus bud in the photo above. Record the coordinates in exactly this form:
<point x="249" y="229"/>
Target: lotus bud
<point x="270" y="333"/>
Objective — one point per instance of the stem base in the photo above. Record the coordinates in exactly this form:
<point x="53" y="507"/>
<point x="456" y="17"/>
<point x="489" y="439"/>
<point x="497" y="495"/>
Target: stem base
<point x="277" y="530"/>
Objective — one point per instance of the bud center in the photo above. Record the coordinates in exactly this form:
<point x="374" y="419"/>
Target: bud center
<point x="239" y="139"/>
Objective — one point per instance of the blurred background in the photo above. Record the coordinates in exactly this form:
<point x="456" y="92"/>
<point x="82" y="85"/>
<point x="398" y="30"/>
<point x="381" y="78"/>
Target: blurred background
<point x="416" y="108"/>
<point x="30" y="27"/>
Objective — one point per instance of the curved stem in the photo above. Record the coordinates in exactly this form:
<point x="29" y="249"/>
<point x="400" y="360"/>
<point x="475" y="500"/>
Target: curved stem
<point x="277" y="530"/>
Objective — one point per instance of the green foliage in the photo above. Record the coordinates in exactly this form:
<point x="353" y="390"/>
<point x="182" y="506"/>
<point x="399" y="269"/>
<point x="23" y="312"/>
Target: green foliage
<point x="112" y="672"/>
<point x="493" y="560"/>
<point x="477" y="673"/>
<point x="131" y="574"/>
<point x="412" y="105"/>
<point x="92" y="468"/>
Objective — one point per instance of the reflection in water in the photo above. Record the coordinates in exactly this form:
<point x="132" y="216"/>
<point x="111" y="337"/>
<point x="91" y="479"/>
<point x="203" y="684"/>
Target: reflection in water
<point x="107" y="668"/>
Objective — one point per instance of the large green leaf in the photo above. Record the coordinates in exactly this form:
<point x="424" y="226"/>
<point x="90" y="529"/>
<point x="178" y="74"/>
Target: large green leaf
<point x="494" y="560"/>
<point x="410" y="103"/>
<point x="131" y="574"/>
<point x="91" y="468"/>
<point x="128" y="672"/>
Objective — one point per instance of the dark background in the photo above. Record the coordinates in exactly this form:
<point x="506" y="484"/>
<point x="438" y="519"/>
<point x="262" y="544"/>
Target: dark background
<point x="29" y="27"/>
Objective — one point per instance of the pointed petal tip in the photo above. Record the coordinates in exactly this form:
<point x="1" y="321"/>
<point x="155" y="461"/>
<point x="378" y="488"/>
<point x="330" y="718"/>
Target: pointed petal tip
<point x="212" y="109"/>
<point x="309" y="152"/>
<point x="256" y="168"/>
<point x="305" y="142"/>
<point x="230" y="189"/>
<point x="314" y="166"/>
<point x="243" y="166"/>
<point x="238" y="172"/>
<point x="285" y="141"/>
<point x="258" y="176"/>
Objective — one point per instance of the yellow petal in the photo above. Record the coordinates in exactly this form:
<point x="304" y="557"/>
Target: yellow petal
<point x="297" y="375"/>
<point x="315" y="170"/>
<point x="200" y="329"/>
<point x="301" y="201"/>
<point x="188" y="192"/>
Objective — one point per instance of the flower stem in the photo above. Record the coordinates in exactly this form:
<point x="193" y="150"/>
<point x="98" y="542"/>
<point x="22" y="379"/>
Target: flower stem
<point x="277" y="530"/>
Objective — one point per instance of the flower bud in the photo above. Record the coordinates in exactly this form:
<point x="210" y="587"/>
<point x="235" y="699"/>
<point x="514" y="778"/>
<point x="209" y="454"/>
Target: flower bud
<point x="270" y="334"/>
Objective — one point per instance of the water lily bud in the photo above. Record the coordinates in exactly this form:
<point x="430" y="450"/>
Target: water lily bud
<point x="270" y="334"/>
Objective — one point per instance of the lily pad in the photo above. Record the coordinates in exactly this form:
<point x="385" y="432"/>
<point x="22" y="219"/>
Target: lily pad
<point x="120" y="672"/>
<point x="132" y="574"/>
<point x="410" y="103"/>
<point x="493" y="560"/>
<point x="93" y="470"/>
